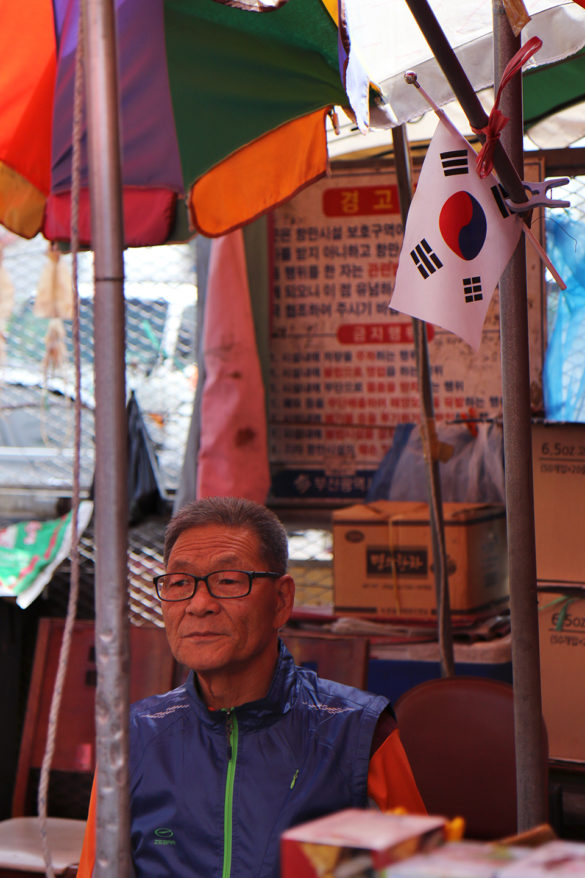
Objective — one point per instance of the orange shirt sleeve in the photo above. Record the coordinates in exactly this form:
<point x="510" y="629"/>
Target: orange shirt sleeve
<point x="87" y="859"/>
<point x="390" y="780"/>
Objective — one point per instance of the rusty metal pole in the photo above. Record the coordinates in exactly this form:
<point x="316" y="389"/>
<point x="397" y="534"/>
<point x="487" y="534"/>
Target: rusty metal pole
<point x="112" y="636"/>
<point x="530" y="767"/>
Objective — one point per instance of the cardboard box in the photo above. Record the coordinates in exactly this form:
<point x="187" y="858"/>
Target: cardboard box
<point x="364" y="839"/>
<point x="558" y="460"/>
<point x="562" y="671"/>
<point x="383" y="559"/>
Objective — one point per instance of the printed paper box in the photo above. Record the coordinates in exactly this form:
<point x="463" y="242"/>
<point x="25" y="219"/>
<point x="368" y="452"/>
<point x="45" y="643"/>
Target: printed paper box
<point x="383" y="559"/>
<point x="562" y="672"/>
<point x="563" y="859"/>
<point x="558" y="460"/>
<point x="367" y="838"/>
<point x="459" y="859"/>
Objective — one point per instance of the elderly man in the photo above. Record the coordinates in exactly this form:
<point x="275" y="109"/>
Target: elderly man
<point x="250" y="744"/>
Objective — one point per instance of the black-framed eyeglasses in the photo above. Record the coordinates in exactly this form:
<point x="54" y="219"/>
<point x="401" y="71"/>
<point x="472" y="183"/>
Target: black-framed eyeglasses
<point x="220" y="584"/>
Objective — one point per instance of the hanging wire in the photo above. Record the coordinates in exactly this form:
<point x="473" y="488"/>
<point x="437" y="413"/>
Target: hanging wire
<point x="74" y="579"/>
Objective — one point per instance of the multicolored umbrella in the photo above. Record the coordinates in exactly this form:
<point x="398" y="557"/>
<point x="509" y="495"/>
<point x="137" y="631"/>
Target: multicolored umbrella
<point x="197" y="83"/>
<point x="223" y="107"/>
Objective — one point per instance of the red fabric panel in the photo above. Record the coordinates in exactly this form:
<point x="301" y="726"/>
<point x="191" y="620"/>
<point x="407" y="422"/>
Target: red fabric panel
<point x="233" y="457"/>
<point x="148" y="217"/>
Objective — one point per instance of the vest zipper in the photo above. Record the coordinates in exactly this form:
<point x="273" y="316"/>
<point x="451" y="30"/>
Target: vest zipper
<point x="232" y="754"/>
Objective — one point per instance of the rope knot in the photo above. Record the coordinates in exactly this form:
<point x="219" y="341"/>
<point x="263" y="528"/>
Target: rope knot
<point x="497" y="121"/>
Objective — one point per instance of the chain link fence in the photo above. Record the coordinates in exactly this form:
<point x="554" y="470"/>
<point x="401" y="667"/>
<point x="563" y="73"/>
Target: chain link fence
<point x="37" y="411"/>
<point x="310" y="564"/>
<point x="37" y="397"/>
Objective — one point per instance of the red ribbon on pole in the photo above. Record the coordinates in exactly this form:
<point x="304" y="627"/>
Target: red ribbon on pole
<point x="497" y="121"/>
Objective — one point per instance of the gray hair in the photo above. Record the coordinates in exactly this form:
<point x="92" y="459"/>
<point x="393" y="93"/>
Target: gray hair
<point x="233" y="512"/>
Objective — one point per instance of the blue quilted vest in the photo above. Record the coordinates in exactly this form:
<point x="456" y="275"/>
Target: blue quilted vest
<point x="212" y="791"/>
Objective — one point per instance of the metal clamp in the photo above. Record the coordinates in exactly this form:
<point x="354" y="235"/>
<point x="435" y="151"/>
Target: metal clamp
<point x="538" y="196"/>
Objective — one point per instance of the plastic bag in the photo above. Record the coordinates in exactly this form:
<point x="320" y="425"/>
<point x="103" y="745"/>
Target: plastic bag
<point x="474" y="474"/>
<point x="563" y="376"/>
<point x="145" y="496"/>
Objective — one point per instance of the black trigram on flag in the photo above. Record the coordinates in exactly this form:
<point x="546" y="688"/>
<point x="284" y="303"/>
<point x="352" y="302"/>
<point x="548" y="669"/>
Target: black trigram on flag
<point x="425" y="259"/>
<point x="472" y="289"/>
<point x="455" y="161"/>
<point x="499" y="197"/>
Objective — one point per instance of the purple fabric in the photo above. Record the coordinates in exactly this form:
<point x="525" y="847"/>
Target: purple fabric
<point x="149" y="146"/>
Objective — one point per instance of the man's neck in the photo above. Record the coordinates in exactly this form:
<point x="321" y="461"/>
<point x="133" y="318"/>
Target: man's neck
<point x="221" y="690"/>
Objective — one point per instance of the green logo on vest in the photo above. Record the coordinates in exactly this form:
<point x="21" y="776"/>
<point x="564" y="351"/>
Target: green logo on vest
<point x="164" y="835"/>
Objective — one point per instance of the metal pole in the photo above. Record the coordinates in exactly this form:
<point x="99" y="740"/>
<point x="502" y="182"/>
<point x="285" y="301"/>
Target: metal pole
<point x="112" y="636"/>
<point x="404" y="181"/>
<point x="530" y="767"/>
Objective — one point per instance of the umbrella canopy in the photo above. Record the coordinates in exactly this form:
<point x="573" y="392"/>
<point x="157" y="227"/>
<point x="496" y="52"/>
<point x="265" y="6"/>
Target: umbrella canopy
<point x="393" y="42"/>
<point x="551" y="82"/>
<point x="197" y="82"/>
<point x="212" y="97"/>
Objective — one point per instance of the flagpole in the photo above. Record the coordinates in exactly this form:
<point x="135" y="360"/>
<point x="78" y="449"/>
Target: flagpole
<point x="531" y="773"/>
<point x="463" y="90"/>
<point x="445" y="636"/>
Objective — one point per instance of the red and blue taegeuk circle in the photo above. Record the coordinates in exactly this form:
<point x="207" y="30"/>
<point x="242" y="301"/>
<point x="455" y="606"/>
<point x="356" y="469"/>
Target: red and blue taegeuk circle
<point x="463" y="225"/>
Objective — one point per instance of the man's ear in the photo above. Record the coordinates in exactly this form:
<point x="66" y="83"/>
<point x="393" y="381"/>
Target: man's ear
<point x="285" y="598"/>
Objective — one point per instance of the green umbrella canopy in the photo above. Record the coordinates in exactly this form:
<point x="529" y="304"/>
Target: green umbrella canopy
<point x="258" y="71"/>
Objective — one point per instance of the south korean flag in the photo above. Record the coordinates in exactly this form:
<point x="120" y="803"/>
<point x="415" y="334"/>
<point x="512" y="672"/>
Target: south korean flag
<point x="459" y="237"/>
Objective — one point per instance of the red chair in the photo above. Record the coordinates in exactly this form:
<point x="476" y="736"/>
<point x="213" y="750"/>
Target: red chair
<point x="458" y="733"/>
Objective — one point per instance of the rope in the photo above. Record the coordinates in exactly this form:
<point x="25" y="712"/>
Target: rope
<point x="74" y="584"/>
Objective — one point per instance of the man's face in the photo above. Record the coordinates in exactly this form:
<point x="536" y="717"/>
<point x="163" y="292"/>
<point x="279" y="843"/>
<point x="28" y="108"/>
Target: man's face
<point x="237" y="635"/>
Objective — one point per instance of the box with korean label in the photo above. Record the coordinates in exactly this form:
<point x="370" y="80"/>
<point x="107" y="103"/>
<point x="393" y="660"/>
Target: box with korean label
<point x="561" y="622"/>
<point x="383" y="559"/>
<point x="558" y="461"/>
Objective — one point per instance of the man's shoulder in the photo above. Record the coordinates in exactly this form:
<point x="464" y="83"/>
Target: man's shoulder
<point x="331" y="694"/>
<point x="160" y="708"/>
<point x="152" y="720"/>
